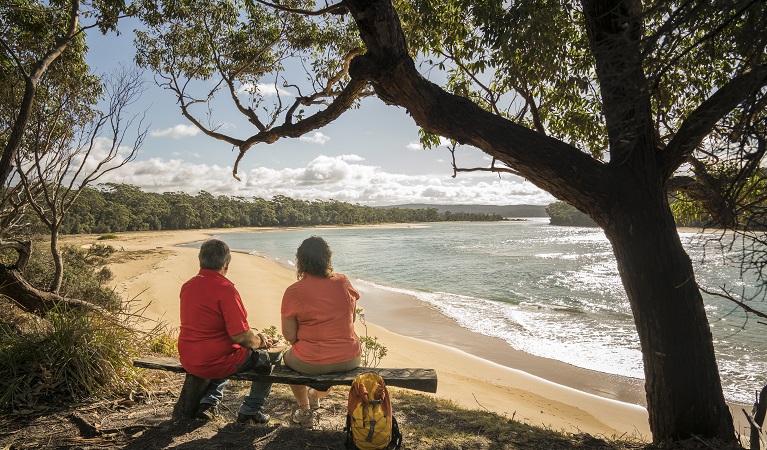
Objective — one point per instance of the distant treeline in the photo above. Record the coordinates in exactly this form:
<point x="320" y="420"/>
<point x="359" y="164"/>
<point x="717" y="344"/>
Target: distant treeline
<point x="685" y="215"/>
<point x="120" y="207"/>
<point x="562" y="213"/>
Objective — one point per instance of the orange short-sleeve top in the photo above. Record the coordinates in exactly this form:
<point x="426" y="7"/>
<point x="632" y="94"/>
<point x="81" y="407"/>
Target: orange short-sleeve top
<point x="324" y="311"/>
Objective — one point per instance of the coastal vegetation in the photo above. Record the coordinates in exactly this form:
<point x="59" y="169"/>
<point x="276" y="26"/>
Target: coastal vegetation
<point x="561" y="213"/>
<point x="113" y="208"/>
<point x="71" y="354"/>
<point x="601" y="103"/>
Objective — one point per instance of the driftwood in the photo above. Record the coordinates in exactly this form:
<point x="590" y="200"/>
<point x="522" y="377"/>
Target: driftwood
<point x="417" y="379"/>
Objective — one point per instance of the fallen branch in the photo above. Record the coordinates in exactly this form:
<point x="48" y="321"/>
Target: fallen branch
<point x="15" y="286"/>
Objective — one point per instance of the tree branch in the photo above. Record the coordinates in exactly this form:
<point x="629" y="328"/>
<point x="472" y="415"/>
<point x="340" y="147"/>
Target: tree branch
<point x="338" y="8"/>
<point x="716" y="32"/>
<point x="216" y="135"/>
<point x="729" y="297"/>
<point x="553" y="165"/>
<point x="340" y="104"/>
<point x="23" y="249"/>
<point x="701" y="121"/>
<point x="326" y="91"/>
<point x="529" y="100"/>
<point x="492" y="167"/>
<point x="229" y="78"/>
<point x="489" y="92"/>
<point x="614" y="30"/>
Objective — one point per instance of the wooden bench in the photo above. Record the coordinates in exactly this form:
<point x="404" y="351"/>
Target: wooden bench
<point x="194" y="387"/>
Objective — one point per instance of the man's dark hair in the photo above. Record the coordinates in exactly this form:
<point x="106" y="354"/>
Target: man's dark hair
<point x="214" y="254"/>
<point x="313" y="257"/>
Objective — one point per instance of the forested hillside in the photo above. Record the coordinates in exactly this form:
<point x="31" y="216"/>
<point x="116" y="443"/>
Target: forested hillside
<point x="121" y="207"/>
<point x="506" y="211"/>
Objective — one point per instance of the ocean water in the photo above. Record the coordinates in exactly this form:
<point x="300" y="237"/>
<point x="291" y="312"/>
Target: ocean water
<point x="547" y="290"/>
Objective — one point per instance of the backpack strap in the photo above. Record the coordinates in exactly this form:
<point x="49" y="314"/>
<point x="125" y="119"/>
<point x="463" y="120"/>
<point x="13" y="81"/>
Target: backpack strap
<point x="369" y="437"/>
<point x="349" y="444"/>
<point x="396" y="435"/>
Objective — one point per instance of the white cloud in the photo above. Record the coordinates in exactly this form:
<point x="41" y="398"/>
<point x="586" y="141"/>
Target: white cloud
<point x="416" y="145"/>
<point x="177" y="132"/>
<point x="266" y="90"/>
<point x="316" y="138"/>
<point x="342" y="178"/>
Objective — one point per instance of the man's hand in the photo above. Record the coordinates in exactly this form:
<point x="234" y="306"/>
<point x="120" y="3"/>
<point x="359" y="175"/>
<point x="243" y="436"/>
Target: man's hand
<point x="266" y="340"/>
<point x="250" y="339"/>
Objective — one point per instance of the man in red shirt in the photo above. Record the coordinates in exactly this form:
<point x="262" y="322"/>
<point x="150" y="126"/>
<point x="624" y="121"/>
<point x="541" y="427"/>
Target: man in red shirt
<point x="215" y="340"/>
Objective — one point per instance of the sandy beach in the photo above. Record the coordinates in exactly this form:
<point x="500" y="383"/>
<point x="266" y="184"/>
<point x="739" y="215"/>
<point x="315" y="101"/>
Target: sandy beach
<point x="474" y="371"/>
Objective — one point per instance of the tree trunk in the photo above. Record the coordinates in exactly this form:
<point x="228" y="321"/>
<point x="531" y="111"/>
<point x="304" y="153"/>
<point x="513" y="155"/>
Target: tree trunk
<point x="17" y="131"/>
<point x="626" y="197"/>
<point x="684" y="391"/>
<point x="760" y="410"/>
<point x="58" y="264"/>
<point x="14" y="286"/>
<point x="30" y="299"/>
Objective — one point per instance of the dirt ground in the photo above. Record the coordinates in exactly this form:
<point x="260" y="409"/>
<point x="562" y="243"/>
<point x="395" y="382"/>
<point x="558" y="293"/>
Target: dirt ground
<point x="144" y="422"/>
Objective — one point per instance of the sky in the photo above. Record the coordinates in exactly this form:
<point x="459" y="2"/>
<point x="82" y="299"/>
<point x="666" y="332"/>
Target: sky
<point x="370" y="155"/>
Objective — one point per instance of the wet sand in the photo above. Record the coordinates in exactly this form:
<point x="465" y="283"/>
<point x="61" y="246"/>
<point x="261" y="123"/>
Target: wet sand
<point x="410" y="316"/>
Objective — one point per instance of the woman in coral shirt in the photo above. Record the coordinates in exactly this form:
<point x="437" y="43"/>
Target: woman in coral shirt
<point x="318" y="314"/>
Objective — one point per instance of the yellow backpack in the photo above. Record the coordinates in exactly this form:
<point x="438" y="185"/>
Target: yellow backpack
<point x="370" y="424"/>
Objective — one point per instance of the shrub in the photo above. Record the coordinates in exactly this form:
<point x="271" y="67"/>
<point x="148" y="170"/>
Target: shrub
<point x="372" y="350"/>
<point x="98" y="253"/>
<point x="84" y="274"/>
<point x="75" y="355"/>
<point x="107" y="236"/>
<point x="276" y="337"/>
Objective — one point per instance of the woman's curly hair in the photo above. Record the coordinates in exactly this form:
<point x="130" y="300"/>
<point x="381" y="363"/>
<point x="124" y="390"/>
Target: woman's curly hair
<point x="313" y="257"/>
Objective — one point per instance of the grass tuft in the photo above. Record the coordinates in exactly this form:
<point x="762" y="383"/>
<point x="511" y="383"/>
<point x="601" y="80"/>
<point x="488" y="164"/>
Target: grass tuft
<point x="163" y="341"/>
<point x="73" y="356"/>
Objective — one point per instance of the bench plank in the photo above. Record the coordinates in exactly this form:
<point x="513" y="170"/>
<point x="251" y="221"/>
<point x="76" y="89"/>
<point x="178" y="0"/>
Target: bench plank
<point x="417" y="379"/>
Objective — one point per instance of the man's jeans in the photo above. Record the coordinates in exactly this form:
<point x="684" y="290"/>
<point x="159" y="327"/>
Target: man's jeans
<point x="252" y="402"/>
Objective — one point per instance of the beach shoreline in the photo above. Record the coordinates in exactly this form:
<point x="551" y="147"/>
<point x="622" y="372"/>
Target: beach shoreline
<point x="426" y="322"/>
<point x="475" y="371"/>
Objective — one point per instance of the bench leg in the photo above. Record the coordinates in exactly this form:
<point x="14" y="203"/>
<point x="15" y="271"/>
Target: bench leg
<point x="189" y="399"/>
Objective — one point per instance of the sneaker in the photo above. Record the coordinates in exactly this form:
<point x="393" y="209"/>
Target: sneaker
<point x="303" y="418"/>
<point x="207" y="411"/>
<point x="258" y="417"/>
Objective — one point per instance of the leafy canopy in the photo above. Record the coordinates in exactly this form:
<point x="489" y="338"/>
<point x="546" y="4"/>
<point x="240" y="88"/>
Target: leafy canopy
<point x="531" y="60"/>
<point x="274" y="67"/>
